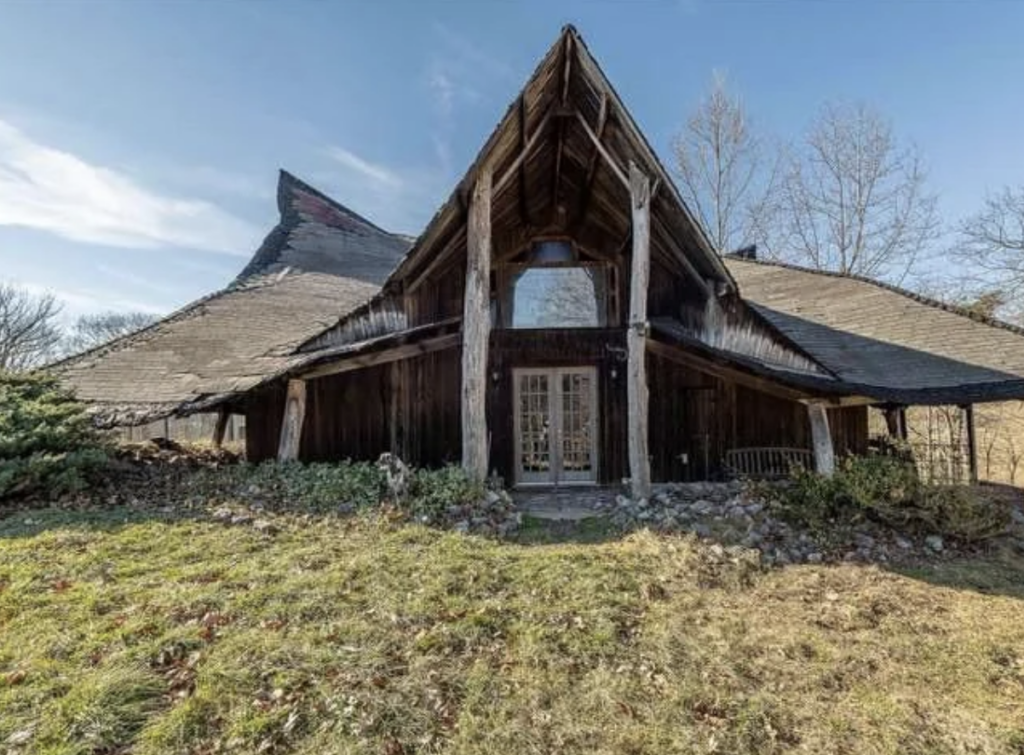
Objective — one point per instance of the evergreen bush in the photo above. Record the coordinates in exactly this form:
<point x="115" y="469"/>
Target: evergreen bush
<point x="48" y="444"/>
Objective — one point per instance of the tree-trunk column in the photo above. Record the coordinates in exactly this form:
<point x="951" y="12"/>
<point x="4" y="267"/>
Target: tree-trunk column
<point x="636" y="334"/>
<point x="972" y="443"/>
<point x="291" y="424"/>
<point x="821" y="437"/>
<point x="476" y="329"/>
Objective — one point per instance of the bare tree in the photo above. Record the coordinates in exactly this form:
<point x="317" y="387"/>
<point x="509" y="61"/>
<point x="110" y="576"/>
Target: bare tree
<point x="725" y="172"/>
<point x="992" y="247"/>
<point x="94" y="330"/>
<point x="29" y="333"/>
<point x="856" y="201"/>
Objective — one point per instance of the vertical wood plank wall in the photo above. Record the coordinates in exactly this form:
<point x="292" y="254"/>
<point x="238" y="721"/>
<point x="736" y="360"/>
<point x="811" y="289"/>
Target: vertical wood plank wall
<point x="350" y="415"/>
<point x="560" y="348"/>
<point x="702" y="416"/>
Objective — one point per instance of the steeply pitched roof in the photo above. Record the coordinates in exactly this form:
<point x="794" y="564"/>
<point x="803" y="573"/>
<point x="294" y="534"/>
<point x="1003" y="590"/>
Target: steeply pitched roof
<point x="318" y="235"/>
<point x="547" y="132"/>
<point x="884" y="341"/>
<point x="320" y="262"/>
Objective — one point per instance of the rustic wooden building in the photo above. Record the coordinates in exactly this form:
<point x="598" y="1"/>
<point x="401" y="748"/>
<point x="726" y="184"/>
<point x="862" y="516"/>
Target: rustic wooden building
<point x="563" y="319"/>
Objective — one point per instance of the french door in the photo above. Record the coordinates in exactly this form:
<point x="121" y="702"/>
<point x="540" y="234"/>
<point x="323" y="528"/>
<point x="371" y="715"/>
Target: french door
<point x="556" y="425"/>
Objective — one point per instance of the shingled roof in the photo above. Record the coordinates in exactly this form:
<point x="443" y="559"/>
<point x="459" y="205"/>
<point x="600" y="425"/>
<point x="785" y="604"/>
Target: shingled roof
<point x="320" y="262"/>
<point x="885" y="342"/>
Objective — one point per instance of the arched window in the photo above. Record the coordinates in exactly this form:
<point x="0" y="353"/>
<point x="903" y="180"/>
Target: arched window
<point x="552" y="288"/>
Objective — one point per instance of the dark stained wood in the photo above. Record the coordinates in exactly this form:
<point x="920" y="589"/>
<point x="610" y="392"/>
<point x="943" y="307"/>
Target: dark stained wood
<point x="972" y="443"/>
<point x="223" y="415"/>
<point x="394" y="354"/>
<point x="697" y="416"/>
<point x="601" y="348"/>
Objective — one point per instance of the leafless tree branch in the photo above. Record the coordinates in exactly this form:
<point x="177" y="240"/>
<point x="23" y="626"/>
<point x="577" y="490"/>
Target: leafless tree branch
<point x="29" y="333"/>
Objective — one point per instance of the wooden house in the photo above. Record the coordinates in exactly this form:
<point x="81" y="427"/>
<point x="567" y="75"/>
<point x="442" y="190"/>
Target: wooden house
<point x="562" y="320"/>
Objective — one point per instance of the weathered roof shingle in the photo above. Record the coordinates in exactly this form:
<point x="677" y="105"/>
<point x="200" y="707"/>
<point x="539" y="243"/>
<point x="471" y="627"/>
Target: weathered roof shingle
<point x="319" y="263"/>
<point x="881" y="339"/>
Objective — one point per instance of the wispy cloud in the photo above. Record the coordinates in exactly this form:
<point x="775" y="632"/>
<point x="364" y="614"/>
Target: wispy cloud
<point x="396" y="199"/>
<point x="364" y="168"/>
<point x="458" y="73"/>
<point x="48" y="189"/>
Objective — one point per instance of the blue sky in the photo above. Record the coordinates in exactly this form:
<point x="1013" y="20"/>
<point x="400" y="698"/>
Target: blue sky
<point x="139" y="141"/>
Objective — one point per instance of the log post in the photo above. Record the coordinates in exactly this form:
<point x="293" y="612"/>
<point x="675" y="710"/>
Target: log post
<point x="291" y="424"/>
<point x="636" y="334"/>
<point x="821" y="437"/>
<point x="476" y="329"/>
<point x="219" y="429"/>
<point x="972" y="443"/>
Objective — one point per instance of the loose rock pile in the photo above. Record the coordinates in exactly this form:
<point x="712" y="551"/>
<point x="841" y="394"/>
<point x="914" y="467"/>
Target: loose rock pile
<point x="729" y="514"/>
<point x="494" y="514"/>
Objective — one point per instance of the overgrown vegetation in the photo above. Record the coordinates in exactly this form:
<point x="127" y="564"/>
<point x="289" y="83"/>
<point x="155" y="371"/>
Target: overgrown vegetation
<point x="48" y="446"/>
<point x="345" y="486"/>
<point x="157" y="631"/>
<point x="886" y="488"/>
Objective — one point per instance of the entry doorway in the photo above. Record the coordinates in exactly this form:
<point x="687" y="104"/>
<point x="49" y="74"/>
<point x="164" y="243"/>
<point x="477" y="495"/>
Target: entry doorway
<point x="556" y="425"/>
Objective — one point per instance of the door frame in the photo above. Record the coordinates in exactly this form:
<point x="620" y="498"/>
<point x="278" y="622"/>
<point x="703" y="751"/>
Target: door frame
<point x="556" y="473"/>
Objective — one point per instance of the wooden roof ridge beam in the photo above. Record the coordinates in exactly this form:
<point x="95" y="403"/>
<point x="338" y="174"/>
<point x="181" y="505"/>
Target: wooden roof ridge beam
<point x="563" y="104"/>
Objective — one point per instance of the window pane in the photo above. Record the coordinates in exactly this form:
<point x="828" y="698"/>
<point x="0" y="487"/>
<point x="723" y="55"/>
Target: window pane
<point x="559" y="297"/>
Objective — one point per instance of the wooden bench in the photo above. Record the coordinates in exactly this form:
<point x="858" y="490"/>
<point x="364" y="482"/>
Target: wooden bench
<point x="766" y="463"/>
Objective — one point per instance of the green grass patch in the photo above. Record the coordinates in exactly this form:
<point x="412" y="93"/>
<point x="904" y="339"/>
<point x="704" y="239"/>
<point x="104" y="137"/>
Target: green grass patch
<point x="123" y="631"/>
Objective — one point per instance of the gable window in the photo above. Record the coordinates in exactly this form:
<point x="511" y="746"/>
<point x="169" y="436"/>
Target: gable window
<point x="553" y="288"/>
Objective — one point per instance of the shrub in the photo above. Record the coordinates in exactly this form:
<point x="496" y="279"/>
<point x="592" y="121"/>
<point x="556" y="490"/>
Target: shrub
<point x="887" y="489"/>
<point x="433" y="490"/>
<point x="48" y="444"/>
<point x="316" y="486"/>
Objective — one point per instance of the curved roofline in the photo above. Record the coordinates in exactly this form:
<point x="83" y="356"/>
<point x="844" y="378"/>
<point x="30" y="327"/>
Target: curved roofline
<point x="919" y="298"/>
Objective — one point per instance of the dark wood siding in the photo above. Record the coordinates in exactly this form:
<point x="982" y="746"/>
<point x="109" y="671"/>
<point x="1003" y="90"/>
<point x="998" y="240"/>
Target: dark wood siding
<point x="264" y="410"/>
<point x="353" y="415"/>
<point x="590" y="347"/>
<point x="695" y="418"/>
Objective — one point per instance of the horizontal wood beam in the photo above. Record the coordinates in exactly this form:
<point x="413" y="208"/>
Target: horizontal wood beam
<point x="447" y="251"/>
<point x="394" y="354"/>
<point x="679" y="355"/>
<point x="837" y="402"/>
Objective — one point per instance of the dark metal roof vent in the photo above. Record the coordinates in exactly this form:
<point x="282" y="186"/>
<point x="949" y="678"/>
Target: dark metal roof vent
<point x="745" y="253"/>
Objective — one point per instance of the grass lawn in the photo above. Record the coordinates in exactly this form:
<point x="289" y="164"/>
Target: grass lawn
<point x="132" y="632"/>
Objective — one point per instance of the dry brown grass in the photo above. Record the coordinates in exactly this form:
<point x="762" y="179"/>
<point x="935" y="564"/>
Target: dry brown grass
<point x="122" y="631"/>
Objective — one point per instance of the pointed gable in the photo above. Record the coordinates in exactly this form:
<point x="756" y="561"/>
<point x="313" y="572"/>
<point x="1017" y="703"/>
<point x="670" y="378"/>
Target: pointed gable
<point x="559" y="157"/>
<point x="318" y="235"/>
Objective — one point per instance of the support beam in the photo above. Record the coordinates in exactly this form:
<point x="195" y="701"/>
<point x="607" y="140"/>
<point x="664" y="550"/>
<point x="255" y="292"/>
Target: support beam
<point x="603" y="152"/>
<point x="595" y="160"/>
<point x="291" y="424"/>
<point x="476" y="330"/>
<point x="821" y="437"/>
<point x="221" y="427"/>
<point x="972" y="443"/>
<point x="375" y="358"/>
<point x="636" y="372"/>
<point x="524" y="152"/>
